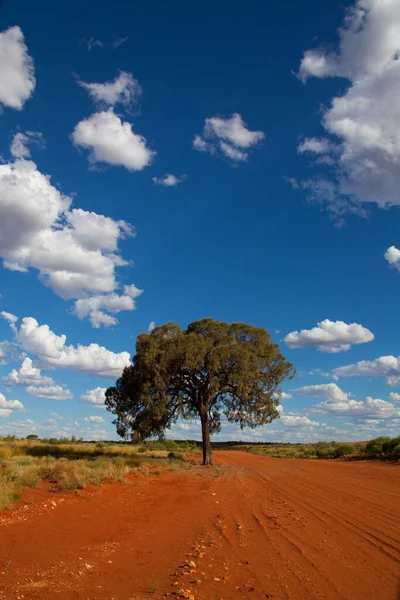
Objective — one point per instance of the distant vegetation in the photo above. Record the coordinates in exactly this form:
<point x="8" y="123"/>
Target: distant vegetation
<point x="379" y="448"/>
<point x="70" y="465"/>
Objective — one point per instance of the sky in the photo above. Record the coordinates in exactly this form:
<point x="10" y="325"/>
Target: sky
<point x="171" y="161"/>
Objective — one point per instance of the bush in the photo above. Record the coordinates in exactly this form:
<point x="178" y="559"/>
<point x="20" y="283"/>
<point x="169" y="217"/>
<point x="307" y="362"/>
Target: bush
<point x="176" y="455"/>
<point x="375" y="447"/>
<point x="343" y="450"/>
<point x="325" y="451"/>
<point x="382" y="446"/>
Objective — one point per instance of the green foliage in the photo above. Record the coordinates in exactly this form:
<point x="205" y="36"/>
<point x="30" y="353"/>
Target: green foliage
<point x="176" y="455"/>
<point x="325" y="451"/>
<point x="383" y="446"/>
<point x="343" y="450"/>
<point x="209" y="369"/>
<point x="32" y="437"/>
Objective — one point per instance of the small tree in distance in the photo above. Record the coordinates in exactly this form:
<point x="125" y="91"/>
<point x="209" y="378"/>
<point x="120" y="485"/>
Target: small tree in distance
<point x="209" y="369"/>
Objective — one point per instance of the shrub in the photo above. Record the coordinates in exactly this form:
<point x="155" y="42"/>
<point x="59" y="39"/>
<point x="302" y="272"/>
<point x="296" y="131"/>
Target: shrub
<point x="325" y="451"/>
<point x="176" y="455"/>
<point x="375" y="447"/>
<point x="343" y="450"/>
<point x="389" y="445"/>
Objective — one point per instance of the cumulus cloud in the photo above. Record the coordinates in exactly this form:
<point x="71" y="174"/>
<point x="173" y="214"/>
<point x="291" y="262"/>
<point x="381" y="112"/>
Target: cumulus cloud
<point x="227" y="137"/>
<point x="370" y="408"/>
<point x="315" y="145"/>
<point x="94" y="306"/>
<point x="123" y="90"/>
<point x="54" y="353"/>
<point x="20" y="144"/>
<point x="364" y="119"/>
<point x="75" y="251"/>
<point x="328" y="391"/>
<point x="394" y="397"/>
<point x="283" y="396"/>
<point x="111" y="141"/>
<point x="9" y="317"/>
<point x="392" y="255"/>
<point x="52" y="392"/>
<point x="5" y="412"/>
<point x="293" y="420"/>
<point x="27" y="375"/>
<point x="169" y="180"/>
<point x="96" y="397"/>
<point x="152" y="324"/>
<point x="384" y="366"/>
<point x="10" y="404"/>
<point x="17" y="73"/>
<point x="7" y="352"/>
<point x="94" y="419"/>
<point x="330" y="336"/>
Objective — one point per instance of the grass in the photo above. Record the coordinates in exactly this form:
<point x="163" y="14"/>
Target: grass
<point x="379" y="448"/>
<point x="74" y="466"/>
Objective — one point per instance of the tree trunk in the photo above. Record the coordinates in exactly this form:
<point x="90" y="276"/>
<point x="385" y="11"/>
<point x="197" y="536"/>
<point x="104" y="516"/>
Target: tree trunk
<point x="205" y="430"/>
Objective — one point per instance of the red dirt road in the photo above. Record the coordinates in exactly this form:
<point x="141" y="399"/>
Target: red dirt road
<point x="267" y="528"/>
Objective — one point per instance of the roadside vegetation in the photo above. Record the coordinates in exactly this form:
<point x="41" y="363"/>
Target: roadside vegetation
<point x="68" y="465"/>
<point x="384" y="448"/>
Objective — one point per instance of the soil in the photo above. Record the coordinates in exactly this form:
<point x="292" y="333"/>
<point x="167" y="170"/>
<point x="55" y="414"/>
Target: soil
<point x="252" y="528"/>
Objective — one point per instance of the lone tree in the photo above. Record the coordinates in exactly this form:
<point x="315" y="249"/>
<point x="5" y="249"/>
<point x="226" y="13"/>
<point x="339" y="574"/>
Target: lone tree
<point x="209" y="369"/>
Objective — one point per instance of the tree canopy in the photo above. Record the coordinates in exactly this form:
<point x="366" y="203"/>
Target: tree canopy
<point x="210" y="369"/>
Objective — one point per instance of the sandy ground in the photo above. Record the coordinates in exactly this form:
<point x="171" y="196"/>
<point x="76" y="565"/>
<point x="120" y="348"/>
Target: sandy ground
<point x="267" y="528"/>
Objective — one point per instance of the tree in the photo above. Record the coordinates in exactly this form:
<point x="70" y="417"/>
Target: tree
<point x="209" y="369"/>
<point x="32" y="437"/>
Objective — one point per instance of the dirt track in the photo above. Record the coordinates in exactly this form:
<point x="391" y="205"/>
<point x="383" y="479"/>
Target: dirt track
<point x="268" y="528"/>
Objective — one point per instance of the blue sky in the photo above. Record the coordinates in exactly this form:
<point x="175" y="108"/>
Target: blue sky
<point x="166" y="162"/>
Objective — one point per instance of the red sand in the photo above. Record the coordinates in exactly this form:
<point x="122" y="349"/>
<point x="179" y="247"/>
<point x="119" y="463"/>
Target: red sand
<point x="268" y="528"/>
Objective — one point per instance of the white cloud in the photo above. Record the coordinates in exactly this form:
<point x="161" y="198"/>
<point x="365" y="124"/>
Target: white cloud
<point x="394" y="397"/>
<point x="27" y="375"/>
<point x="233" y="153"/>
<point x="330" y="336"/>
<point x="53" y="352"/>
<point x="227" y="136"/>
<point x="95" y="397"/>
<point x="113" y="303"/>
<point x="169" y="180"/>
<point x="112" y="141"/>
<point x="93" y="43"/>
<point x="53" y="392"/>
<point x="365" y="117"/>
<point x="94" y="419"/>
<point x="392" y="255"/>
<point x="75" y="251"/>
<point x="123" y="90"/>
<point x="293" y="420"/>
<point x="370" y="408"/>
<point x="19" y="145"/>
<point x="203" y="146"/>
<point x="17" y="74"/>
<point x="9" y="316"/>
<point x="5" y="412"/>
<point x="384" y="366"/>
<point x="283" y="396"/>
<point x="7" y="352"/>
<point x="329" y="391"/>
<point x="152" y="324"/>
<point x="10" y="404"/>
<point x="315" y="145"/>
